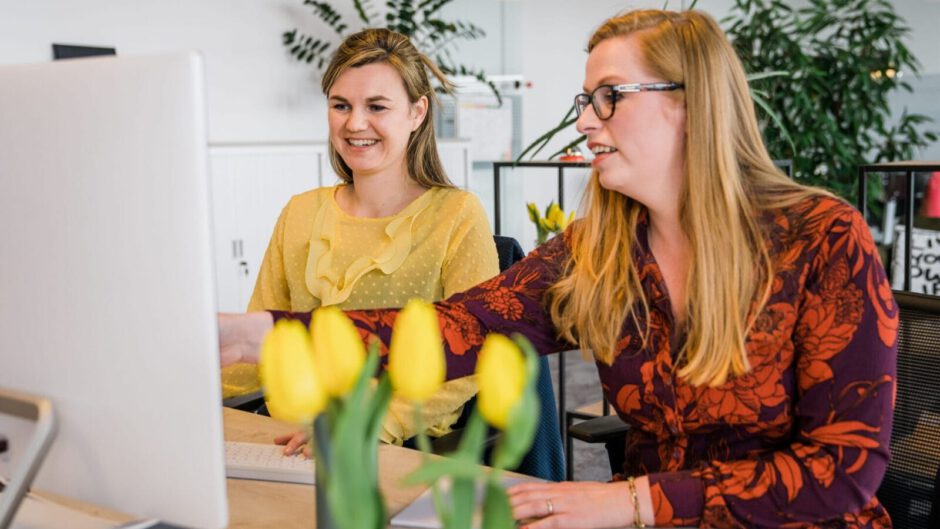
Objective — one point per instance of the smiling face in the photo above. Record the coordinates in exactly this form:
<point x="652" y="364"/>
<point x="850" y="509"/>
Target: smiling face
<point x="640" y="150"/>
<point x="371" y="120"/>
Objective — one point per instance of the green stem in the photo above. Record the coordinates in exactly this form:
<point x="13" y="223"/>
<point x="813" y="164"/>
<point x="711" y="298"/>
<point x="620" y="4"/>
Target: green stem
<point x="424" y="444"/>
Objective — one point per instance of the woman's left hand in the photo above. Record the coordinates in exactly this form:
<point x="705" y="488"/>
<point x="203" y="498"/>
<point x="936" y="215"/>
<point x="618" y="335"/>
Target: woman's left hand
<point x="240" y="336"/>
<point x="570" y="504"/>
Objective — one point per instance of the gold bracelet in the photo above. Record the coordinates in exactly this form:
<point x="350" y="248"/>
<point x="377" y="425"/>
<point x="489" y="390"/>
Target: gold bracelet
<point x="637" y="521"/>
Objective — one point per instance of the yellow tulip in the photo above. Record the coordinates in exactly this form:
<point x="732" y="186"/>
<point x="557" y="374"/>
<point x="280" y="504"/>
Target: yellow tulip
<point x="337" y="350"/>
<point x="556" y="217"/>
<point x="546" y="225"/>
<point x="416" y="354"/>
<point x="501" y="374"/>
<point x="291" y="385"/>
<point x="533" y="212"/>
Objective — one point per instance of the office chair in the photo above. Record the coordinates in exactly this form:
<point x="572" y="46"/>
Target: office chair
<point x="545" y="458"/>
<point x="910" y="490"/>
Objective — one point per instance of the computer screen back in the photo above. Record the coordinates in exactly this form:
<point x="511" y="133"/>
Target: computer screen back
<point x="107" y="303"/>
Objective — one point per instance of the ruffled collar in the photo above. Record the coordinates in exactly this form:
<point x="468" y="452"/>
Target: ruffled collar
<point x="332" y="287"/>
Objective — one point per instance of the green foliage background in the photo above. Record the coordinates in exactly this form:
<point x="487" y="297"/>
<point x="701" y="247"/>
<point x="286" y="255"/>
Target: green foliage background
<point x="821" y="76"/>
<point x="842" y="57"/>
<point x="420" y="20"/>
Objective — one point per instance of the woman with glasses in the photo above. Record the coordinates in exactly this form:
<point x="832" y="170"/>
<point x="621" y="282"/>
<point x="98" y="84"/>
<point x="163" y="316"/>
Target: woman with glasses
<point x="394" y="229"/>
<point x="741" y="323"/>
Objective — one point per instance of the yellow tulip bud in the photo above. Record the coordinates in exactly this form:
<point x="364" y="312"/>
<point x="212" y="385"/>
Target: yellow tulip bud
<point x="337" y="350"/>
<point x="556" y="217"/>
<point x="291" y="385"/>
<point x="533" y="212"/>
<point x="546" y="225"/>
<point x="501" y="374"/>
<point x="416" y="353"/>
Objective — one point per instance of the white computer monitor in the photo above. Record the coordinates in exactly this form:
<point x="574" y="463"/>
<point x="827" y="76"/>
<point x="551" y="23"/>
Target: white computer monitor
<point x="107" y="304"/>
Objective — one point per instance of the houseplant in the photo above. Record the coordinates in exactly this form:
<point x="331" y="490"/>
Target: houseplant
<point x="420" y="20"/>
<point x="845" y="58"/>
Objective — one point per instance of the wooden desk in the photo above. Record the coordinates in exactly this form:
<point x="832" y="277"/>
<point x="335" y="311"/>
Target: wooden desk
<point x="264" y="504"/>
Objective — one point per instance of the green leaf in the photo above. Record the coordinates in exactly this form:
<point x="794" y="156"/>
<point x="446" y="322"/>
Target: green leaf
<point x="471" y="441"/>
<point x="766" y="75"/>
<point x="577" y="141"/>
<point x="463" y="494"/>
<point x="436" y="469"/>
<point x="776" y="118"/>
<point x="497" y="512"/>
<point x="542" y="140"/>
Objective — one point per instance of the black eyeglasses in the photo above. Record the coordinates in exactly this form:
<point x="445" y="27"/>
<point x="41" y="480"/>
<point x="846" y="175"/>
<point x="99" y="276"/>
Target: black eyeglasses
<point x="604" y="98"/>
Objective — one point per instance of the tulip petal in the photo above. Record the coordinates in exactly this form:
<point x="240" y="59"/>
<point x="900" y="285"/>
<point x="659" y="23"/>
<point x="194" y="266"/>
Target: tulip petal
<point x="288" y="374"/>
<point x="416" y="353"/>
<point x="337" y="349"/>
<point x="501" y="371"/>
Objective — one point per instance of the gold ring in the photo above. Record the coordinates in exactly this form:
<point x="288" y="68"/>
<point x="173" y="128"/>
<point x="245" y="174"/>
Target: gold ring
<point x="551" y="508"/>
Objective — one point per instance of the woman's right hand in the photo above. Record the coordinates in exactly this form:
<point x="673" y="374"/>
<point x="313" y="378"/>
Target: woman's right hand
<point x="295" y="443"/>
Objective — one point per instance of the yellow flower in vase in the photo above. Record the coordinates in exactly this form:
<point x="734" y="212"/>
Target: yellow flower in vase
<point x="554" y="220"/>
<point x="337" y="350"/>
<point x="289" y="375"/>
<point x="501" y="374"/>
<point x="329" y="378"/>
<point x="416" y="354"/>
<point x="506" y="372"/>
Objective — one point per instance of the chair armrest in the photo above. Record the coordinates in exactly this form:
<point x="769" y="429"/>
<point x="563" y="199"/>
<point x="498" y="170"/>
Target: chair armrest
<point x="599" y="430"/>
<point x="247" y="402"/>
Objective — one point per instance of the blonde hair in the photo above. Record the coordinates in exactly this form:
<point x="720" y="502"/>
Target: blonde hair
<point x="730" y="179"/>
<point x="383" y="45"/>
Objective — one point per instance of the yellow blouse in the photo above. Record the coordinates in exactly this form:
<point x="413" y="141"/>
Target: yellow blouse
<point x="439" y="245"/>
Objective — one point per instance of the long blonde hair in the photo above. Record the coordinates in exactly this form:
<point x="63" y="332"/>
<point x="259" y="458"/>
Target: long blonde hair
<point x="730" y="179"/>
<point x="384" y="45"/>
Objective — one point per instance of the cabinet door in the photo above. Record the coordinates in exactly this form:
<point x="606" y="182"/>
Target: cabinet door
<point x="263" y="195"/>
<point x="225" y="235"/>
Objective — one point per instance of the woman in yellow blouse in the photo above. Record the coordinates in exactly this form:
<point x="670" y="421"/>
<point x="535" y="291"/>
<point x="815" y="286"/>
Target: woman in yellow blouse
<point x="395" y="229"/>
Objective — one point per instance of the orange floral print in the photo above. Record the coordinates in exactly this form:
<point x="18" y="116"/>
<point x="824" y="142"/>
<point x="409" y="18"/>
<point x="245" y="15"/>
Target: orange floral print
<point x="503" y="302"/>
<point x="791" y="443"/>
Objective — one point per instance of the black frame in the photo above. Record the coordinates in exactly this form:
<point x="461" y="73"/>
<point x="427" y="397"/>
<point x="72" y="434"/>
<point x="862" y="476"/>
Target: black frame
<point x="909" y="169"/>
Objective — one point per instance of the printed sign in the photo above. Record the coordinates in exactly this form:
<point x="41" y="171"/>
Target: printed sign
<point x="925" y="261"/>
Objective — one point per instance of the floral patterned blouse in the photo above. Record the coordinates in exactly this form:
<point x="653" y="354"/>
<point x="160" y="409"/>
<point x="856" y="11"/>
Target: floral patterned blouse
<point x="799" y="441"/>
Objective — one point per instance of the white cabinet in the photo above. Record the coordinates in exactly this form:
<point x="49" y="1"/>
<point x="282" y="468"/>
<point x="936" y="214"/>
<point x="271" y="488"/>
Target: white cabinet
<point x="250" y="186"/>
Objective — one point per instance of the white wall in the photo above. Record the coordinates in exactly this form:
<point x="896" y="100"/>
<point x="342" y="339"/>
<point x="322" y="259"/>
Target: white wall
<point x="258" y="94"/>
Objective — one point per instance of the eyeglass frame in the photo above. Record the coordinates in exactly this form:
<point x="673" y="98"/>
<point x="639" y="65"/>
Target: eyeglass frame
<point x="628" y="88"/>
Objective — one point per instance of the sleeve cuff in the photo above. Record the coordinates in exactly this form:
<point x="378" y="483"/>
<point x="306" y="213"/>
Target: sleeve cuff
<point x="302" y="317"/>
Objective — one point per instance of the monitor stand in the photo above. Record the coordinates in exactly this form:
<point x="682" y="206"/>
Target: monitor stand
<point x="32" y="427"/>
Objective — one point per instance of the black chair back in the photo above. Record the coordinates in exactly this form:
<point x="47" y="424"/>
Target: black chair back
<point x="546" y="458"/>
<point x="908" y="490"/>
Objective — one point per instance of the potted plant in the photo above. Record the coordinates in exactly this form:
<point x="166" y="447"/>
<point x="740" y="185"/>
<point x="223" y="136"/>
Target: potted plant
<point x="419" y="20"/>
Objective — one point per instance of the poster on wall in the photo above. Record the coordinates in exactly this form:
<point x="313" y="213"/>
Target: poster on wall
<point x="925" y="261"/>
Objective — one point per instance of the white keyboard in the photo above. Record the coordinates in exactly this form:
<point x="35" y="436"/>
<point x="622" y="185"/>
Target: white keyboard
<point x="267" y="462"/>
